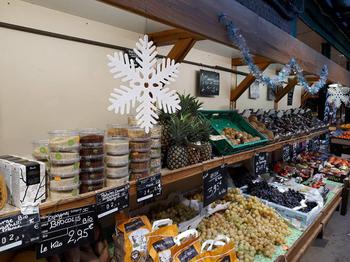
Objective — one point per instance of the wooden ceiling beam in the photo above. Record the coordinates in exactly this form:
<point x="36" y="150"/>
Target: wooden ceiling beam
<point x="171" y="36"/>
<point x="247" y="81"/>
<point x="181" y="49"/>
<point x="281" y="93"/>
<point x="257" y="60"/>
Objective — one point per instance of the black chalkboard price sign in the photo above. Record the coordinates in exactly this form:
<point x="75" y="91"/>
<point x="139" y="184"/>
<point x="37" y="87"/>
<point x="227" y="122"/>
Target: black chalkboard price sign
<point x="294" y="151"/>
<point x="148" y="188"/>
<point x="214" y="184"/>
<point x="112" y="200"/>
<point x="209" y="83"/>
<point x="286" y="153"/>
<point x="260" y="163"/>
<point x="18" y="231"/>
<point x="66" y="229"/>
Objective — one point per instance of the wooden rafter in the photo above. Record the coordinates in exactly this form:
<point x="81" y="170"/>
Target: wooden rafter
<point x="247" y="81"/>
<point x="171" y="36"/>
<point x="257" y="60"/>
<point x="281" y="93"/>
<point x="181" y="49"/>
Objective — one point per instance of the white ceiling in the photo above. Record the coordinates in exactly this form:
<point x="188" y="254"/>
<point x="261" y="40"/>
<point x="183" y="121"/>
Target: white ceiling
<point x="97" y="11"/>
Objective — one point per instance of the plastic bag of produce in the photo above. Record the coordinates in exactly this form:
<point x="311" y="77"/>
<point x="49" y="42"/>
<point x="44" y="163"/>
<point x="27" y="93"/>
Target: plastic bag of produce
<point x="187" y="246"/>
<point x="218" y="250"/>
<point x="131" y="240"/>
<point x="161" y="239"/>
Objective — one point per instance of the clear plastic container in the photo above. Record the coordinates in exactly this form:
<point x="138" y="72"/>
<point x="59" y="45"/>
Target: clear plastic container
<point x="64" y="158"/>
<point x="91" y="163"/>
<point x="156" y="152"/>
<point x="91" y="151"/>
<point x="90" y="188"/>
<point x="156" y="131"/>
<point x="57" y="182"/>
<point x="117" y="146"/>
<point x="115" y="130"/>
<point x="138" y="134"/>
<point x="138" y="175"/>
<point x="67" y="174"/>
<point x="140" y="156"/>
<point x="136" y="167"/>
<point x="156" y="170"/>
<point x="64" y="169"/>
<point x="155" y="162"/>
<point x="96" y="174"/>
<point x="116" y="182"/>
<point x="41" y="149"/>
<point x="64" y="140"/>
<point x="93" y="157"/>
<point x="156" y="143"/>
<point x="92" y="170"/>
<point x="139" y="146"/>
<point x="91" y="136"/>
<point x="117" y="172"/>
<point x="116" y="161"/>
<point x="92" y="181"/>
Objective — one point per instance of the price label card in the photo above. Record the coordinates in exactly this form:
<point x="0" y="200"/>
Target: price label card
<point x="286" y="153"/>
<point x="112" y="200"/>
<point x="214" y="184"/>
<point x="66" y="229"/>
<point x="294" y="151"/>
<point x="260" y="163"/>
<point x="19" y="231"/>
<point x="148" y="187"/>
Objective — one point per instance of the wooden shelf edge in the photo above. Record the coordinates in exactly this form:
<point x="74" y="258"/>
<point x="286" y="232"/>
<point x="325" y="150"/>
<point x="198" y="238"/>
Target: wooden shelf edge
<point x="168" y="177"/>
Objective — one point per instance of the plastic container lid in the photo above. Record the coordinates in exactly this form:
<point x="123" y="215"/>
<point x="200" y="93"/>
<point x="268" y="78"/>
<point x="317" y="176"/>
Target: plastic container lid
<point x="92" y="181"/>
<point x="117" y="130"/>
<point x="65" y="161"/>
<point x="63" y="133"/>
<point x="91" y="131"/>
<point x="65" y="174"/>
<point x="92" y="169"/>
<point x="92" y="157"/>
<point x="117" y="172"/>
<point x="88" y="145"/>
<point x="146" y="159"/>
<point x="117" y="146"/>
<point x="65" y="188"/>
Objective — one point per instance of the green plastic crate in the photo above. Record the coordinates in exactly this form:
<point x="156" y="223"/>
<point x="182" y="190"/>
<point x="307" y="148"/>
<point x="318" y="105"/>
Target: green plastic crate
<point x="228" y="118"/>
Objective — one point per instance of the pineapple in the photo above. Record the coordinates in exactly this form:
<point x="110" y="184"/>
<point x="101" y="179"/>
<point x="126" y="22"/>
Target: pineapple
<point x="203" y="131"/>
<point x="177" y="155"/>
<point x="193" y="148"/>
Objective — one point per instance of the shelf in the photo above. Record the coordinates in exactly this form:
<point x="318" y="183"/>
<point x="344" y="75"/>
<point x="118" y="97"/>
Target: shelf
<point x="340" y="141"/>
<point x="171" y="179"/>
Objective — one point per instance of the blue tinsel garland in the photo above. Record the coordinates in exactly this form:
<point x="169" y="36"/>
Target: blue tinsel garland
<point x="239" y="41"/>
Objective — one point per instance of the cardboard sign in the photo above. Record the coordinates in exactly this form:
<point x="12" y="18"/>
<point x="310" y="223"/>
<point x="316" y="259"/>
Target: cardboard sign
<point x="66" y="229"/>
<point x="148" y="188"/>
<point x="112" y="200"/>
<point x="260" y="163"/>
<point x="214" y="184"/>
<point x="18" y="231"/>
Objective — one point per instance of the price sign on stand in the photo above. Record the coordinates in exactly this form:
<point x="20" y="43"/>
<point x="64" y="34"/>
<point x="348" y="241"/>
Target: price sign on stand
<point x="317" y="143"/>
<point x="214" y="184"/>
<point x="286" y="153"/>
<point x="19" y="231"/>
<point x="294" y="151"/>
<point x="260" y="163"/>
<point x="112" y="200"/>
<point x="66" y="229"/>
<point x="148" y="188"/>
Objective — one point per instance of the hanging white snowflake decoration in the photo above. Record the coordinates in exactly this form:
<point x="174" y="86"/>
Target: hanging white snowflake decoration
<point x="338" y="95"/>
<point x="146" y="84"/>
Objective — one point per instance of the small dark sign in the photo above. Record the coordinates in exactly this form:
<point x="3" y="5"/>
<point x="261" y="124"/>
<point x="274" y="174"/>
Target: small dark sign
<point x="19" y="231"/>
<point x="214" y="184"/>
<point x="260" y="163"/>
<point x="66" y="229"/>
<point x="132" y="55"/>
<point x="209" y="83"/>
<point x="148" y="187"/>
<point x="112" y="200"/>
<point x="294" y="151"/>
<point x="286" y="153"/>
<point x="290" y="97"/>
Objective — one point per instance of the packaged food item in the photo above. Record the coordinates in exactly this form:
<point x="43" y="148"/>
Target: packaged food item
<point x="57" y="181"/>
<point x="140" y="146"/>
<point x="137" y="175"/>
<point x="156" y="162"/>
<point x="116" y="182"/>
<point x="117" y="172"/>
<point x="140" y="156"/>
<point x="155" y="152"/>
<point x="131" y="242"/>
<point x="117" y="146"/>
<point x="96" y="173"/>
<point x="140" y="166"/>
<point x="91" y="136"/>
<point x="117" y="130"/>
<point x="58" y="193"/>
<point x="161" y="240"/>
<point x="138" y="134"/>
<point x="91" y="151"/>
<point x="187" y="246"/>
<point x="89" y="188"/>
<point x="65" y="170"/>
<point x="91" y="163"/>
<point x="63" y="140"/>
<point x="156" y="170"/>
<point x="156" y="131"/>
<point x="41" y="149"/>
<point x="117" y="161"/>
<point x="132" y="121"/>
<point x="92" y="181"/>
<point x="64" y="158"/>
<point x="217" y="251"/>
<point x="156" y="143"/>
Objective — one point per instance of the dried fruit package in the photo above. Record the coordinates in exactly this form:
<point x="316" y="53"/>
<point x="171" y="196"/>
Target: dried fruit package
<point x="187" y="246"/>
<point x="161" y="240"/>
<point x="131" y="244"/>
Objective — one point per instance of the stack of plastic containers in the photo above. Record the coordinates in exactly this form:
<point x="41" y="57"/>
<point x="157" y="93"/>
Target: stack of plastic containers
<point x="140" y="155"/>
<point x="64" y="163"/>
<point x="91" y="163"/>
<point x="41" y="153"/>
<point x="156" y="163"/>
<point x="117" y="156"/>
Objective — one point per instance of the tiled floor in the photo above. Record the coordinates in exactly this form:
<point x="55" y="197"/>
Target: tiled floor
<point x="335" y="245"/>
